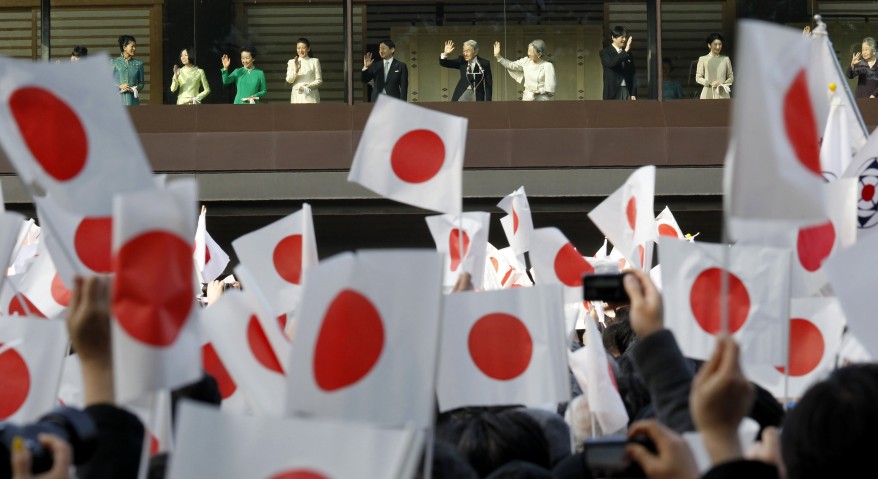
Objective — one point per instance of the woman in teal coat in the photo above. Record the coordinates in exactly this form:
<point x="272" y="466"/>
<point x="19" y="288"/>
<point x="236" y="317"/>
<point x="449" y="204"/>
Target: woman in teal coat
<point x="249" y="80"/>
<point x="128" y="71"/>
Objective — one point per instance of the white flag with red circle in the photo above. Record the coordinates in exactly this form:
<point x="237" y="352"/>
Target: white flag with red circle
<point x="773" y="163"/>
<point x="10" y="224"/>
<point x="503" y="347"/>
<point x="503" y="270"/>
<point x="517" y="224"/>
<point x="62" y="126"/>
<point x="811" y="244"/>
<point x="79" y="245"/>
<point x="155" y="335"/>
<point x="666" y="225"/>
<point x="757" y="301"/>
<point x="278" y="256"/>
<point x="32" y="355"/>
<point x="627" y="218"/>
<point x="41" y="287"/>
<point x="836" y="151"/>
<point x="453" y="232"/>
<point x="556" y="261"/>
<point x="209" y="256"/>
<point x="233" y="327"/>
<point x="216" y="444"/>
<point x="155" y="413"/>
<point x="365" y="343"/>
<point x="864" y="167"/>
<point x="595" y="376"/>
<point x="413" y="155"/>
<point x="233" y="398"/>
<point x="851" y="274"/>
<point x="815" y="329"/>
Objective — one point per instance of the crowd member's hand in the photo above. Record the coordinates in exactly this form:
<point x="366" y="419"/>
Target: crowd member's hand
<point x="806" y="31"/>
<point x="62" y="455"/>
<point x="226" y="62"/>
<point x="646" y="303"/>
<point x="672" y="459"/>
<point x="449" y="47"/>
<point x="721" y="396"/>
<point x="214" y="291"/>
<point x="88" y="324"/>
<point x="464" y="283"/>
<point x="367" y="60"/>
<point x="496" y="49"/>
<point x="628" y="43"/>
<point x="768" y="450"/>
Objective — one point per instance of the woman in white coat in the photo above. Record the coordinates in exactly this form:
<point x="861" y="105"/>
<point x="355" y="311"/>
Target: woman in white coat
<point x="303" y="72"/>
<point x="714" y="71"/>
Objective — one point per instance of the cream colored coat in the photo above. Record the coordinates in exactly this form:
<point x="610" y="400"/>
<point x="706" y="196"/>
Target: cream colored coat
<point x="305" y="81"/>
<point x="722" y="72"/>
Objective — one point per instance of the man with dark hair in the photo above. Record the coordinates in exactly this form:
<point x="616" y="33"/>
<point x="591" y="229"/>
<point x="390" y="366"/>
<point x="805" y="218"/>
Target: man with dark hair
<point x="618" y="63"/>
<point x="391" y="75"/>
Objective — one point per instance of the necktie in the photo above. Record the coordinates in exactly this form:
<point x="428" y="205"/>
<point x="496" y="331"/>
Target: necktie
<point x="386" y="69"/>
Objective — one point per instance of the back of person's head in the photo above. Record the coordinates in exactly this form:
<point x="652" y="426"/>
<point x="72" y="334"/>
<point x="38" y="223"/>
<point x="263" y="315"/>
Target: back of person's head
<point x="618" y="336"/>
<point x="447" y="464"/>
<point x="830" y="431"/>
<point x="618" y="31"/>
<point x="521" y="470"/>
<point x="491" y="440"/>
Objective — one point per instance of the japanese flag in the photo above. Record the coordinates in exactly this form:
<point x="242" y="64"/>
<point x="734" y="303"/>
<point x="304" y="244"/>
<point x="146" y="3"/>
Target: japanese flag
<point x="826" y="71"/>
<point x="627" y="218"/>
<point x="864" y="167"/>
<point x="365" y="344"/>
<point x="216" y="444"/>
<point x="79" y="245"/>
<point x="666" y="225"/>
<point x="836" y="151"/>
<point x="155" y="412"/>
<point x="278" y="256"/>
<point x="595" y="376"/>
<point x="851" y="273"/>
<point x="10" y="224"/>
<point x="517" y="224"/>
<point x="233" y="327"/>
<point x="42" y="287"/>
<point x="811" y="244"/>
<point x="155" y="336"/>
<point x="446" y="231"/>
<point x="815" y="329"/>
<point x="62" y="127"/>
<point x="757" y="301"/>
<point x="31" y="360"/>
<point x="504" y="271"/>
<point x="209" y="257"/>
<point x="773" y="163"/>
<point x="412" y="155"/>
<point x="503" y="347"/>
<point x="25" y="248"/>
<point x="233" y="398"/>
<point x="556" y="261"/>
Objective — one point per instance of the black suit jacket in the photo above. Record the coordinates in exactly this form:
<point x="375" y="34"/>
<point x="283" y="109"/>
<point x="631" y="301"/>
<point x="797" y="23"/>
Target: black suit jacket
<point x="481" y="79"/>
<point x="397" y="84"/>
<point x="617" y="67"/>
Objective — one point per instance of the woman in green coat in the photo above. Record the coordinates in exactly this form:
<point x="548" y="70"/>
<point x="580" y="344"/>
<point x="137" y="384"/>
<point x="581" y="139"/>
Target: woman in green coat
<point x="249" y="80"/>
<point x="128" y="71"/>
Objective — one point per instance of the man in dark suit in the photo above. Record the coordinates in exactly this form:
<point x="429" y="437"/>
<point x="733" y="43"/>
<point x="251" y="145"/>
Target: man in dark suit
<point x="475" y="72"/>
<point x="391" y="75"/>
<point x="619" y="78"/>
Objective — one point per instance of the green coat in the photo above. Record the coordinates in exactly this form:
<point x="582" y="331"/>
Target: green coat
<point x="249" y="83"/>
<point x="130" y="72"/>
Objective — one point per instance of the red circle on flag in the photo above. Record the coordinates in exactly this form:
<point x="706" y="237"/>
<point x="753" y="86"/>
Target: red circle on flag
<point x="60" y="293"/>
<point x="417" y="156"/>
<point x="500" y="346"/>
<point x="93" y="242"/>
<point x="704" y="299"/>
<point x="641" y="252"/>
<point x="214" y="366"/>
<point x="454" y="247"/>
<point x="282" y="323"/>
<point x="800" y="124"/>
<point x="17" y="308"/>
<point x="495" y="264"/>
<point x="813" y="245"/>
<point x="299" y="474"/>
<point x="868" y="193"/>
<point x="350" y="341"/>
<point x="16" y="382"/>
<point x="806" y="347"/>
<point x="570" y="266"/>
<point x="665" y="229"/>
<point x="261" y="348"/>
<point x="514" y="221"/>
<point x="51" y="130"/>
<point x="153" y="445"/>
<point x="152" y="291"/>
<point x="631" y="212"/>
<point x="287" y="258"/>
